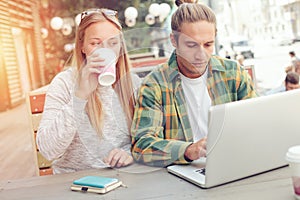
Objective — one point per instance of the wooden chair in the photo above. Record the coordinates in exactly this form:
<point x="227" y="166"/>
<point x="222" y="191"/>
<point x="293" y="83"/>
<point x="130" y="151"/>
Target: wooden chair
<point x="138" y="56"/>
<point x="35" y="103"/>
<point x="251" y="71"/>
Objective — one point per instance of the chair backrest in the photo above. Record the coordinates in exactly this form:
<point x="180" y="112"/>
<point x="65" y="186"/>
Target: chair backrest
<point x="251" y="71"/>
<point x="35" y="103"/>
<point x="144" y="66"/>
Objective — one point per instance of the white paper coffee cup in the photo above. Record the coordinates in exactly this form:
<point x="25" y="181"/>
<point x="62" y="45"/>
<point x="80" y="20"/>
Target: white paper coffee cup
<point x="293" y="158"/>
<point x="108" y="69"/>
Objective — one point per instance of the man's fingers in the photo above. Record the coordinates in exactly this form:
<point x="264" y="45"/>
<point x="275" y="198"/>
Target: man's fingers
<point x="204" y="144"/>
<point x="202" y="152"/>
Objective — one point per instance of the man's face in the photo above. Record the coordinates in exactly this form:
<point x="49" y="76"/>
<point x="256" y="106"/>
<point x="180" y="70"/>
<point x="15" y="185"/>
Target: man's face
<point x="194" y="47"/>
<point x="291" y="86"/>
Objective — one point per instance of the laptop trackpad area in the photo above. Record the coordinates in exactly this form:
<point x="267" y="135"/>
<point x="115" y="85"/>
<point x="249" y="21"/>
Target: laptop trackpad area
<point x="194" y="172"/>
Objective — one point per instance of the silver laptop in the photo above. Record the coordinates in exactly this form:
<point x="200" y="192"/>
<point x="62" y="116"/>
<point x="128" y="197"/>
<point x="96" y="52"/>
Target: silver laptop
<point x="246" y="138"/>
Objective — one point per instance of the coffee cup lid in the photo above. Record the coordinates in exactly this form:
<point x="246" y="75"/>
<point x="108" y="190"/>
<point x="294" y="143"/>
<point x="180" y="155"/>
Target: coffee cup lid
<point x="293" y="154"/>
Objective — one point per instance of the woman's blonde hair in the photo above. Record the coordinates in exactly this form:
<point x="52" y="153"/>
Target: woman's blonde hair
<point x="188" y="12"/>
<point x="123" y="85"/>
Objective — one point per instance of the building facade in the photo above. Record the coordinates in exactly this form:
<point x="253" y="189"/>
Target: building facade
<point x="264" y="19"/>
<point x="22" y="57"/>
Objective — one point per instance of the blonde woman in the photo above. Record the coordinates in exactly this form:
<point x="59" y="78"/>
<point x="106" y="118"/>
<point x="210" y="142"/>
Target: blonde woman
<point x="170" y="123"/>
<point x="86" y="125"/>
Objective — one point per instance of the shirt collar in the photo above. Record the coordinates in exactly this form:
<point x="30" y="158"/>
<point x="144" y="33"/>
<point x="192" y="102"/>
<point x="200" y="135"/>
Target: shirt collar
<point x="173" y="66"/>
<point x="216" y="64"/>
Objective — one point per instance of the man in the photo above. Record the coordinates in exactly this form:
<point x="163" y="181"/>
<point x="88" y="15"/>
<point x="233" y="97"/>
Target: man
<point x="294" y="58"/>
<point x="291" y="82"/>
<point x="171" y="117"/>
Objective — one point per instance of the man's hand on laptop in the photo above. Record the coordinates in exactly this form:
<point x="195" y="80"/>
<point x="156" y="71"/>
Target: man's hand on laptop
<point x="196" y="150"/>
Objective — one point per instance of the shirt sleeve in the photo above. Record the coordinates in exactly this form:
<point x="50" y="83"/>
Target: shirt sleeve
<point x="149" y="143"/>
<point x="61" y="118"/>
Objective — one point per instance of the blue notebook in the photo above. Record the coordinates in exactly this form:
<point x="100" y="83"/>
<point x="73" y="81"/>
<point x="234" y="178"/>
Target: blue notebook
<point x="96" y="184"/>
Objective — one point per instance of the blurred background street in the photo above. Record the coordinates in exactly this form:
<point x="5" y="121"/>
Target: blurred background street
<point x="270" y="62"/>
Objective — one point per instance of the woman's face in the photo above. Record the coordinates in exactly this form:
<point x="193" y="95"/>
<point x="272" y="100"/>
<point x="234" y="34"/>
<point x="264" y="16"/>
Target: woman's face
<point x="101" y="35"/>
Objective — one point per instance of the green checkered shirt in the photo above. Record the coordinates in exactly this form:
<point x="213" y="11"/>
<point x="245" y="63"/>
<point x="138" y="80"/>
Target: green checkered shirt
<point x="161" y="130"/>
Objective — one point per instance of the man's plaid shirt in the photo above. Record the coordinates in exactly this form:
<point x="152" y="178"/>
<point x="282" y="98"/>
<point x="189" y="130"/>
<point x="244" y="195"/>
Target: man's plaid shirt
<point x="161" y="130"/>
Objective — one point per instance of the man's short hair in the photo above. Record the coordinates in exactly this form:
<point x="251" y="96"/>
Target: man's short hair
<point x="190" y="13"/>
<point x="292" y="77"/>
<point x="292" y="53"/>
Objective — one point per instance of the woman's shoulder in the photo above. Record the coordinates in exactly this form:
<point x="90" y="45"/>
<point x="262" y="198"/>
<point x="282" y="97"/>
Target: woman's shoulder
<point x="68" y="75"/>
<point x="64" y="79"/>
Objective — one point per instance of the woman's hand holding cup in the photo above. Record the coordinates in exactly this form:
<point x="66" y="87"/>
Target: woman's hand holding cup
<point x="88" y="76"/>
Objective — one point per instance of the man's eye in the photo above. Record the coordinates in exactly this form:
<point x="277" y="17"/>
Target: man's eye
<point x="191" y="45"/>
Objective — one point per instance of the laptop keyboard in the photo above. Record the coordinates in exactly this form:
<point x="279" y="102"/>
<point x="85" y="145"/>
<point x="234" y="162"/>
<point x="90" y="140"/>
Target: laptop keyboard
<point x="201" y="171"/>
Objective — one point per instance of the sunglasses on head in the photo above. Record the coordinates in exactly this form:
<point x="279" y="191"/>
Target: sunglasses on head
<point x="105" y="11"/>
